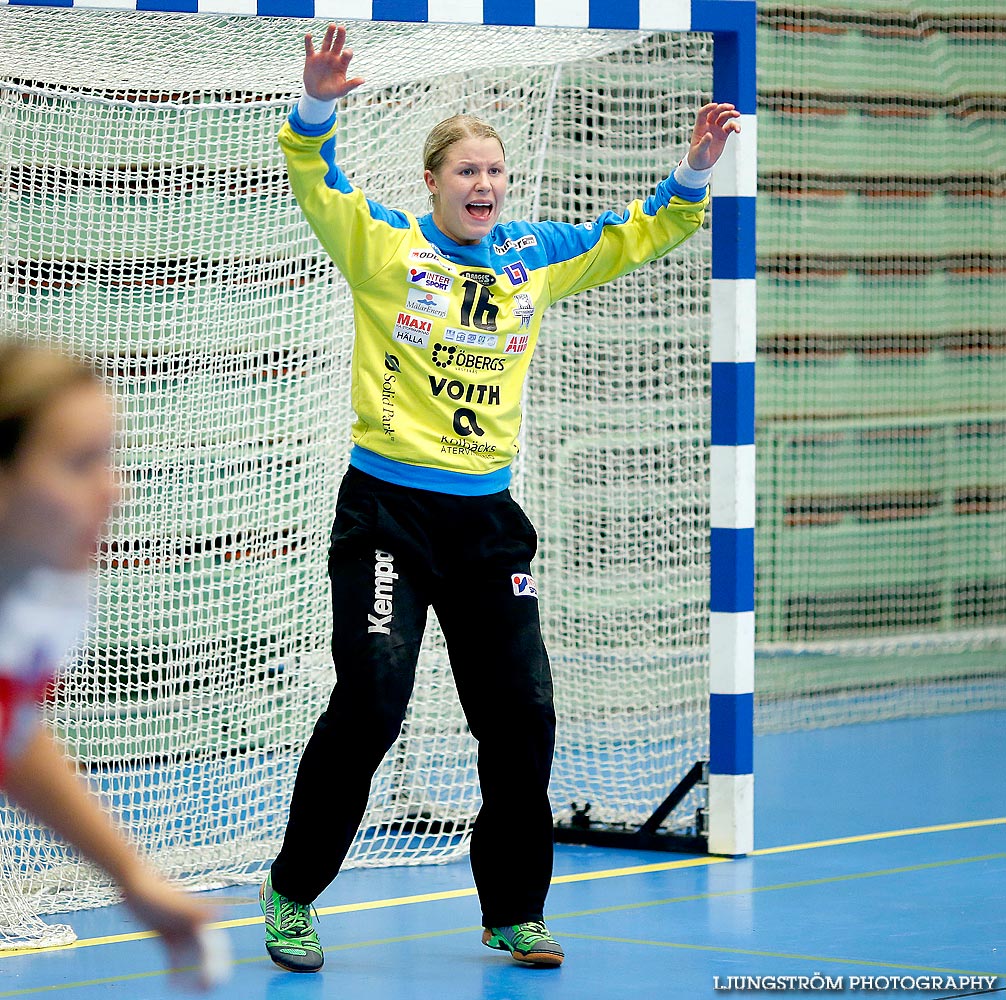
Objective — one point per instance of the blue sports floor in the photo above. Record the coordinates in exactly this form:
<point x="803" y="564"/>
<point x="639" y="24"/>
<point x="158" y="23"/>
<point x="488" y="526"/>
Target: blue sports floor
<point x="880" y="868"/>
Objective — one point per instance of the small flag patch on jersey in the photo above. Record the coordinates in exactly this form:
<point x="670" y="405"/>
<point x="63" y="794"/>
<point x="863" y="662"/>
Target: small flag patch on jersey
<point x="523" y="585"/>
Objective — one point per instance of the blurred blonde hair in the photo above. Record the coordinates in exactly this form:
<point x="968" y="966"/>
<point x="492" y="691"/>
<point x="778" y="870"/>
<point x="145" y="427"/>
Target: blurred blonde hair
<point x="32" y="377"/>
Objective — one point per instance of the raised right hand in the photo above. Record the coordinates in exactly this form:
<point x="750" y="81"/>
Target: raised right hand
<point x="325" y="70"/>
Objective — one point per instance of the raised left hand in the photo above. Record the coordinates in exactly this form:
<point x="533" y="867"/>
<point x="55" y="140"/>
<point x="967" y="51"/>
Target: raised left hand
<point x="713" y="125"/>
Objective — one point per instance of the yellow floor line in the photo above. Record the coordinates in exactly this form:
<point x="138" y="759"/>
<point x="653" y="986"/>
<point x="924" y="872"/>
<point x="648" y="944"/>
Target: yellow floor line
<point x="682" y="946"/>
<point x="558" y="880"/>
<point x="884" y="835"/>
<point x="440" y="932"/>
<point x="794" y="957"/>
<point x="800" y="884"/>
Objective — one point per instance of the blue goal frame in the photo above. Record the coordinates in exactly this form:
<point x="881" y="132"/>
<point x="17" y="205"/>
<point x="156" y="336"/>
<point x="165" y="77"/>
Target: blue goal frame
<point x="730" y="829"/>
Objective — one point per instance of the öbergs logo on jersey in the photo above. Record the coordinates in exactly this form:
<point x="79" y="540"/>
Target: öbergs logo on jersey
<point x="518" y="244"/>
<point x="431" y="279"/>
<point x="524" y="585"/>
<point x="451" y="356"/>
<point x="412" y="330"/>
<point x="516" y="343"/>
<point x="427" y="303"/>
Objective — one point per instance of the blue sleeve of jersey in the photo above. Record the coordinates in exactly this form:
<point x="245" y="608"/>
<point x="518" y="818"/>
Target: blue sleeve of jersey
<point x="335" y="178"/>
<point x="560" y="241"/>
<point x="666" y="190"/>
<point x="302" y="127"/>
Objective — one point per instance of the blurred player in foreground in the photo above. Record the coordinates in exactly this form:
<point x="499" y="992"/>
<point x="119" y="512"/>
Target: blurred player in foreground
<point x="57" y="489"/>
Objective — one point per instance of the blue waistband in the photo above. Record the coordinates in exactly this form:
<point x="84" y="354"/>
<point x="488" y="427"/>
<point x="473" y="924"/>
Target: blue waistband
<point x="420" y="477"/>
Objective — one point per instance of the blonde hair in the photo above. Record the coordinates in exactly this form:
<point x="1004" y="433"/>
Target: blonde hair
<point x="31" y="378"/>
<point x="444" y="134"/>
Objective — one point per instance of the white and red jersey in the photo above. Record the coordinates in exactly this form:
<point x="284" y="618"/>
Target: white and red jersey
<point x="41" y="618"/>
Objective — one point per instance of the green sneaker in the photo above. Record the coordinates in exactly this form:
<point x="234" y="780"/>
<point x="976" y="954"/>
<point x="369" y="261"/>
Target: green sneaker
<point x="529" y="943"/>
<point x="290" y="939"/>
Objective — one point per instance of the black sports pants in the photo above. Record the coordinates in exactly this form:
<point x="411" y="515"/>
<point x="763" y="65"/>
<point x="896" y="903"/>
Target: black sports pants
<point x="395" y="552"/>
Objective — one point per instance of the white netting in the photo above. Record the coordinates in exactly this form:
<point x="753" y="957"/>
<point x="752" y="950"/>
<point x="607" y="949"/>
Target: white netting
<point x="147" y="225"/>
<point x="882" y="359"/>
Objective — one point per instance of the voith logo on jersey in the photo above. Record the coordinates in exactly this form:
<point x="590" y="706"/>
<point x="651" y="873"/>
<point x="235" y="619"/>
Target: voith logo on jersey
<point x="427" y="303"/>
<point x="412" y="330"/>
<point x="468" y="392"/>
<point x="516" y="272"/>
<point x="431" y="279"/>
<point x="516" y="343"/>
<point x="524" y="585"/>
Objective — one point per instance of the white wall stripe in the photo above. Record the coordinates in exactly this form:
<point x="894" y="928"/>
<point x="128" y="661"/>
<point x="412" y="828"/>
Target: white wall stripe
<point x="350" y="10"/>
<point x="668" y="15"/>
<point x="569" y="13"/>
<point x="732" y="486"/>
<point x="734" y="309"/>
<point x="108" y="4"/>
<point x="228" y="6"/>
<point x="456" y="11"/>
<point x="731" y="652"/>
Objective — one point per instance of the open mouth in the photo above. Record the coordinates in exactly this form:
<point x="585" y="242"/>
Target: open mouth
<point x="480" y="210"/>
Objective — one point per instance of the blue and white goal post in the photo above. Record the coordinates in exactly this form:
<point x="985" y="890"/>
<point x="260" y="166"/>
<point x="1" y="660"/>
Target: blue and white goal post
<point x="732" y="23"/>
